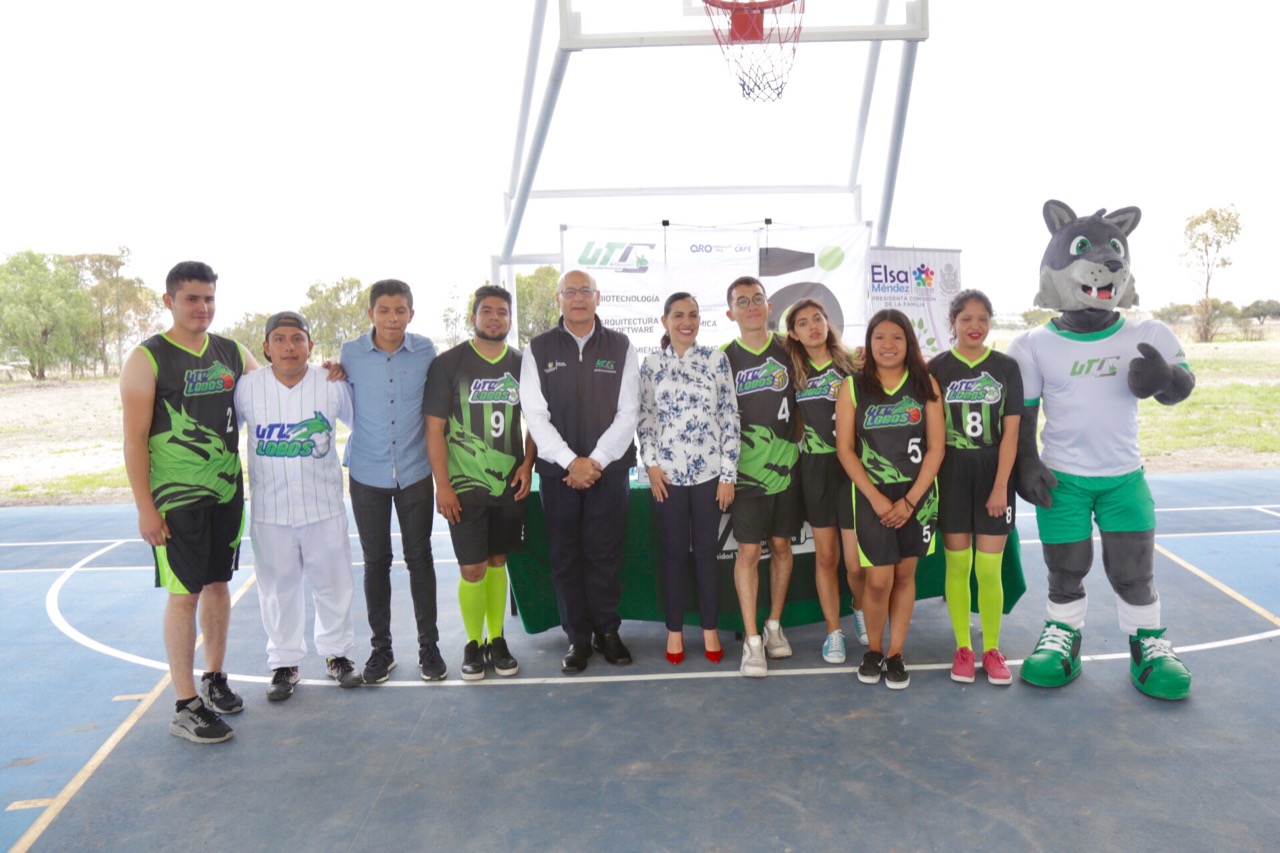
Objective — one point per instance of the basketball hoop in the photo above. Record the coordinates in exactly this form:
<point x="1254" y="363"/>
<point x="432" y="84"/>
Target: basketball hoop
<point x="758" y="39"/>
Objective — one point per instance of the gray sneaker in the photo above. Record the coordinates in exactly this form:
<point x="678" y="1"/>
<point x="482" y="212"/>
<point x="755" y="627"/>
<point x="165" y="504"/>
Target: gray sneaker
<point x="343" y="670"/>
<point x="282" y="681"/>
<point x="198" y="724"/>
<point x="218" y="695"/>
<point x="775" y="642"/>
<point x="753" y="663"/>
<point x="860" y="626"/>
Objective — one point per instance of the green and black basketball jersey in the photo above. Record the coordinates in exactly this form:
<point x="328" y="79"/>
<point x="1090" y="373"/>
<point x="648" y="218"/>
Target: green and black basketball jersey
<point x="978" y="395"/>
<point x="817" y="402"/>
<point x="480" y="400"/>
<point x="766" y="406"/>
<point x="890" y="433"/>
<point x="194" y="441"/>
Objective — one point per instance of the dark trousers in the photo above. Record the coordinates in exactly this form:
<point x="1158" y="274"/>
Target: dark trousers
<point x="415" y="508"/>
<point x="691" y="516"/>
<point x="585" y="531"/>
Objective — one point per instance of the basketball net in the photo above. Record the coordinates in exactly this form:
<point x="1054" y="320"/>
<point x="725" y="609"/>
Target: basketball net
<point x="758" y="40"/>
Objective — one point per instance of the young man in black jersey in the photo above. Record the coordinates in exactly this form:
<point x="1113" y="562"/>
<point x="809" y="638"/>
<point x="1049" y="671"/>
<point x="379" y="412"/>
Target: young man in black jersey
<point x="483" y="469"/>
<point x="767" y="499"/>
<point x="183" y="464"/>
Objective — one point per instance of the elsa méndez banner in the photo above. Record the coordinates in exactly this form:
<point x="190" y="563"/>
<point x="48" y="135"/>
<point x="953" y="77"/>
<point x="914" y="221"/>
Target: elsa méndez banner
<point x="636" y="269"/>
<point x="920" y="283"/>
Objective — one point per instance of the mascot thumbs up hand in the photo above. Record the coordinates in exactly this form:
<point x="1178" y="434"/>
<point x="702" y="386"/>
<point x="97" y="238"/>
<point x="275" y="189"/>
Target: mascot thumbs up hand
<point x="1090" y="366"/>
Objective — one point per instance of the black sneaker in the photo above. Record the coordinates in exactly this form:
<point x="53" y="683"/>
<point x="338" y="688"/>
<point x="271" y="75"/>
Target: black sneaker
<point x="379" y="666"/>
<point x="282" y="681"/>
<point x="895" y="673"/>
<point x="218" y="695"/>
<point x="343" y="670"/>
<point x="499" y="657"/>
<point x="869" y="669"/>
<point x="198" y="724"/>
<point x="472" y="662"/>
<point x="432" y="664"/>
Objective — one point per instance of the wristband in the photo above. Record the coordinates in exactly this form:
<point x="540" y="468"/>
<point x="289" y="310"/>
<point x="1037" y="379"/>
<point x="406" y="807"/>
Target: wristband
<point x="908" y="502"/>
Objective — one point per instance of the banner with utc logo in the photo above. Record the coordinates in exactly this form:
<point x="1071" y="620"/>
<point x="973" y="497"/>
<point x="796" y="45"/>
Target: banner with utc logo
<point x="636" y="269"/>
<point x="920" y="283"/>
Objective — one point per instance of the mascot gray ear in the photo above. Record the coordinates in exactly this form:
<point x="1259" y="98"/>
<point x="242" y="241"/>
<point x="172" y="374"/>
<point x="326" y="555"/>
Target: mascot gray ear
<point x="1126" y="219"/>
<point x="1057" y="216"/>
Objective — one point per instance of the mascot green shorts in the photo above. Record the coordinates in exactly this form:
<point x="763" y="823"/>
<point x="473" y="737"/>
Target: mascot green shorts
<point x="1121" y="505"/>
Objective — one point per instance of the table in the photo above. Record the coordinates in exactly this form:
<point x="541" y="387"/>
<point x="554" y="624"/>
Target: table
<point x="643" y="582"/>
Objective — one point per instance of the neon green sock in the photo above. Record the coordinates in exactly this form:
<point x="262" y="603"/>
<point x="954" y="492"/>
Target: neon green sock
<point x="495" y="590"/>
<point x="990" y="596"/>
<point x="471" y="601"/>
<point x="957" y="589"/>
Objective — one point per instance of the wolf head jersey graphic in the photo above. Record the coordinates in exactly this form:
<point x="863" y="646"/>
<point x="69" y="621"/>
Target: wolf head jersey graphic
<point x="766" y="406"/>
<point x="480" y="401"/>
<point x="194" y="439"/>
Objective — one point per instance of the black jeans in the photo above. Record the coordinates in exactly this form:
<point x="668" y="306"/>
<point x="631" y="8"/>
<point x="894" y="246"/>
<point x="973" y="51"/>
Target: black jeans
<point x="690" y="516"/>
<point x="585" y="534"/>
<point x="415" y="508"/>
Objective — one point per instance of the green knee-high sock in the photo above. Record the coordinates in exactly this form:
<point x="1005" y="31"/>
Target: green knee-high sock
<point x="495" y="590"/>
<point x="957" y="589"/>
<point x="471" y="601"/>
<point x="990" y="596"/>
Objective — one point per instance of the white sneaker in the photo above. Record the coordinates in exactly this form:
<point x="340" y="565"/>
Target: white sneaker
<point x="775" y="642"/>
<point x="860" y="626"/>
<point x="753" y="662"/>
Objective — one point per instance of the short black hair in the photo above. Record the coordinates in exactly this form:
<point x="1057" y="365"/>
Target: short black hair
<point x="389" y="287"/>
<point x="743" y="281"/>
<point x="484" y="292"/>
<point x="188" y="271"/>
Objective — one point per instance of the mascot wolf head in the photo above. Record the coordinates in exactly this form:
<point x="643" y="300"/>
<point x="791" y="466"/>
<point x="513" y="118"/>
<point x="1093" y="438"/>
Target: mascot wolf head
<point x="1087" y="262"/>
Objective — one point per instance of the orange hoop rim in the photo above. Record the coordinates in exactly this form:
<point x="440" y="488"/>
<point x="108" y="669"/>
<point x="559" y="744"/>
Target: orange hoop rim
<point x="747" y="5"/>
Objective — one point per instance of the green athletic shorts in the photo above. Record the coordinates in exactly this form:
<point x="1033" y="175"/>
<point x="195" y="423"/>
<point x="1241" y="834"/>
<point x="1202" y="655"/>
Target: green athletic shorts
<point x="1120" y="504"/>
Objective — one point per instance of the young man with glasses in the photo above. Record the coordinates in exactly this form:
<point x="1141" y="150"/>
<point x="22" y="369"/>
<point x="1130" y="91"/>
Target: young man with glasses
<point x="766" y="502"/>
<point x="579" y="387"/>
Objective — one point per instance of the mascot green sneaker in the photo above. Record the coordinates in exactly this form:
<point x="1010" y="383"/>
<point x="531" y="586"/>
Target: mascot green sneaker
<point x="1154" y="667"/>
<point x="1056" y="659"/>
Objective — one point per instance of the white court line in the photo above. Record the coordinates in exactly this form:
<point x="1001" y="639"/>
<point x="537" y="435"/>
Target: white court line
<point x="1022" y="541"/>
<point x="1267" y="511"/>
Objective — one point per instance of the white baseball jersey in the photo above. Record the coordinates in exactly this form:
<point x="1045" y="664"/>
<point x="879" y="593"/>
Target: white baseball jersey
<point x="295" y="477"/>
<point x="1091" y="418"/>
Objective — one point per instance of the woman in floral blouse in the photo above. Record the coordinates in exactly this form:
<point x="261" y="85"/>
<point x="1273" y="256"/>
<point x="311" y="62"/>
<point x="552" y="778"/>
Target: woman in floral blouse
<point x="689" y="443"/>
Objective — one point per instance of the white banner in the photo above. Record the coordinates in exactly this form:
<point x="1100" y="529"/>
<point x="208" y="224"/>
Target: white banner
<point x="920" y="283"/>
<point x="636" y="269"/>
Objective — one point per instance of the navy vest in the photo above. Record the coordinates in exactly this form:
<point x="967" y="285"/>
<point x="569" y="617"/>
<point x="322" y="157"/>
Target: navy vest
<point x="581" y="389"/>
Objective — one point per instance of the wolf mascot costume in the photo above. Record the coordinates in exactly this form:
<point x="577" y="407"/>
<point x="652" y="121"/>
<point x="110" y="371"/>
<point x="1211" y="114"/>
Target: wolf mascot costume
<point x="1090" y="366"/>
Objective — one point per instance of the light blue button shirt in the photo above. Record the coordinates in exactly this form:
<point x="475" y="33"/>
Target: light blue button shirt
<point x="388" y="444"/>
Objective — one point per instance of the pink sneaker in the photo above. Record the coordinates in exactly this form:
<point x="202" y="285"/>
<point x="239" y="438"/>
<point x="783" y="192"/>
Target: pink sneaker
<point x="962" y="666"/>
<point x="997" y="671"/>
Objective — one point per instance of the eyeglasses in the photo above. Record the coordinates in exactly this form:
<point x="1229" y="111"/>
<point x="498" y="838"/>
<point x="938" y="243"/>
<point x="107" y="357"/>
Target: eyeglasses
<point x="745" y="302"/>
<point x="575" y="292"/>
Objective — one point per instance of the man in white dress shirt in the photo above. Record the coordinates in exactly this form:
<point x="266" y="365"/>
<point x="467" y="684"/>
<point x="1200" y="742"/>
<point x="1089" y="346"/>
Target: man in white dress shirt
<point x="579" y="387"/>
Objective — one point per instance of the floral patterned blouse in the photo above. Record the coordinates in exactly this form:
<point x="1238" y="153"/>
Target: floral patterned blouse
<point x="689" y="415"/>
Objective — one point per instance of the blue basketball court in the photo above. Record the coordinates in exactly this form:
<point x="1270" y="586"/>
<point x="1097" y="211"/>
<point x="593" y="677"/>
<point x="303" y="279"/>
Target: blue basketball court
<point x="647" y="757"/>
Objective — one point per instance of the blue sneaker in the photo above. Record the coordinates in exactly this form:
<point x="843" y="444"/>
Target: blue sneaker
<point x="833" y="647"/>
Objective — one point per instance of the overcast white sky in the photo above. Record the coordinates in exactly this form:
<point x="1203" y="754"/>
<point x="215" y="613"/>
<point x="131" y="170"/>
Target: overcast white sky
<point x="289" y="142"/>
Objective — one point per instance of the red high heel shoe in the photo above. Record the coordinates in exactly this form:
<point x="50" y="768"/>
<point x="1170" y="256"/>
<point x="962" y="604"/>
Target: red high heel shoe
<point x="716" y="656"/>
<point x="675" y="657"/>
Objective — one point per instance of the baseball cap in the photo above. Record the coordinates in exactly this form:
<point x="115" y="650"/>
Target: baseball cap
<point x="287" y="318"/>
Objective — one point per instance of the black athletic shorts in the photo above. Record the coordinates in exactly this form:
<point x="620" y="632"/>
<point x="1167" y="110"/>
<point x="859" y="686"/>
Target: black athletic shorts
<point x="203" y="546"/>
<point x="756" y="519"/>
<point x="964" y="484"/>
<point x="828" y="494"/>
<point x="485" y="531"/>
<point x="886" y="546"/>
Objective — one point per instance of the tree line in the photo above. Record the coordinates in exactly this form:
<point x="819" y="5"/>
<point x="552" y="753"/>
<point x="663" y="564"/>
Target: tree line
<point x="73" y="314"/>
